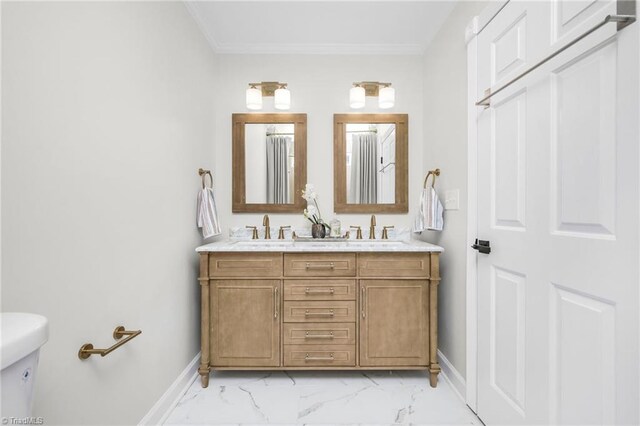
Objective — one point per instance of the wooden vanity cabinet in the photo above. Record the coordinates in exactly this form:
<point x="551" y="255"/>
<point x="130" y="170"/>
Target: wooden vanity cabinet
<point x="245" y="323"/>
<point x="319" y="311"/>
<point x="394" y="324"/>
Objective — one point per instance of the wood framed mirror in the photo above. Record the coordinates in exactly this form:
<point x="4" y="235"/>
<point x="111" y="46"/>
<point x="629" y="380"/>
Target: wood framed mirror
<point x="371" y="163"/>
<point x="269" y="162"/>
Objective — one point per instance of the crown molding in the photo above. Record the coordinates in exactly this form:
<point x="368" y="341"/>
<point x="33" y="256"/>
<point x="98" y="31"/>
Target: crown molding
<point x="319" y="49"/>
<point x="299" y="49"/>
<point x="195" y="14"/>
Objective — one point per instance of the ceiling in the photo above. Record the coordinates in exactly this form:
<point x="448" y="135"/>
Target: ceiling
<point x="320" y="27"/>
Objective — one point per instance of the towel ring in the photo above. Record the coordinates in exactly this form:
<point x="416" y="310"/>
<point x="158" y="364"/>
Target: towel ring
<point x="203" y="173"/>
<point x="432" y="173"/>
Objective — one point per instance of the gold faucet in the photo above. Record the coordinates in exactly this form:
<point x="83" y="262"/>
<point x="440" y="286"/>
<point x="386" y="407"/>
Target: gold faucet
<point x="372" y="229"/>
<point x="385" y="234"/>
<point x="254" y="234"/>
<point x="358" y="233"/>
<point x="267" y="227"/>
<point x="281" y="231"/>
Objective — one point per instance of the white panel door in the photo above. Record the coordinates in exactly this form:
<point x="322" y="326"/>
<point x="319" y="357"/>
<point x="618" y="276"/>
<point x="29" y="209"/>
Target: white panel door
<point x="557" y="199"/>
<point x="510" y="310"/>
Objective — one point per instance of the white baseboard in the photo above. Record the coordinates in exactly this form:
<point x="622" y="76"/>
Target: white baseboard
<point x="453" y="376"/>
<point x="168" y="401"/>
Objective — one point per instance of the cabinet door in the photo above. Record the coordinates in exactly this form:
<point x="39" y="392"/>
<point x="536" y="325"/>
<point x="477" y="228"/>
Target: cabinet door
<point x="245" y="323"/>
<point x="394" y="323"/>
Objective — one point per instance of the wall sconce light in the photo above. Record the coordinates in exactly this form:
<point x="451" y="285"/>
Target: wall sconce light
<point x="360" y="90"/>
<point x="357" y="97"/>
<point x="256" y="91"/>
<point x="254" y="98"/>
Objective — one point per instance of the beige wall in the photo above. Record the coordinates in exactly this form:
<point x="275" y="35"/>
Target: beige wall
<point x="107" y="112"/>
<point x="445" y="127"/>
<point x="319" y="87"/>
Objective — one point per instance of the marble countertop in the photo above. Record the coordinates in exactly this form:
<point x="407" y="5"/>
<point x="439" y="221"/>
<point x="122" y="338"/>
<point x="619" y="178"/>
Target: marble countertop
<point x="291" y="246"/>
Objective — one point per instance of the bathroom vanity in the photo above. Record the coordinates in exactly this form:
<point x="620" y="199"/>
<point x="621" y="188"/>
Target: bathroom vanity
<point x="284" y="305"/>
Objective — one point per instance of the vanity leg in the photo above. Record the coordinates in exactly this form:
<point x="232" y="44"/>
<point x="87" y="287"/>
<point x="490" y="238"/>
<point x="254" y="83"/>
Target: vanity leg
<point x="204" y="377"/>
<point x="434" y="280"/>
<point x="434" y="369"/>
<point x="204" y="320"/>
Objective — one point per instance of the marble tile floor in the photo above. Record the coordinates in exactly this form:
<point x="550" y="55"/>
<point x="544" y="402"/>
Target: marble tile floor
<point x="321" y="398"/>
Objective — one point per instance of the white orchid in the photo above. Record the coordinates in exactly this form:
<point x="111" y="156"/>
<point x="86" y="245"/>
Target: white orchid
<point x="312" y="212"/>
<point x="309" y="193"/>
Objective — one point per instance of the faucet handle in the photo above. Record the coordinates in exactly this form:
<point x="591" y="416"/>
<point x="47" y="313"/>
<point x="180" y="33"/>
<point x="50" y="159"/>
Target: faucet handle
<point x="385" y="234"/>
<point x="358" y="232"/>
<point x="281" y="231"/>
<point x="254" y="234"/>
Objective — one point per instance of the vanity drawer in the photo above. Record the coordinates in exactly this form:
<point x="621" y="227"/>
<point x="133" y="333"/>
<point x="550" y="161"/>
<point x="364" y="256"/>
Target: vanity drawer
<point x="394" y="265"/>
<point x="245" y="265"/>
<point x="319" y="356"/>
<point x="319" y="334"/>
<point x="320" y="290"/>
<point x="320" y="265"/>
<point x="320" y="311"/>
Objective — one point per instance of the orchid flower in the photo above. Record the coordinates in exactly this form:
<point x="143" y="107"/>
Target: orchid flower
<point x="312" y="212"/>
<point x="309" y="193"/>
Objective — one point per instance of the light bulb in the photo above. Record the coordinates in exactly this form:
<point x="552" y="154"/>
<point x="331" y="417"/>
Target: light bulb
<point x="386" y="97"/>
<point x="254" y="98"/>
<point x="357" y="97"/>
<point x="282" y="99"/>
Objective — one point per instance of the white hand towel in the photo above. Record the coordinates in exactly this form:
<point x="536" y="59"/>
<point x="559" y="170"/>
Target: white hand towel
<point x="430" y="213"/>
<point x="208" y="213"/>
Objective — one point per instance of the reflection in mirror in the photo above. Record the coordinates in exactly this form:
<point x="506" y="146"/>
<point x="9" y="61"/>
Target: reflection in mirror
<point x="370" y="162"/>
<point x="269" y="159"/>
<point x="269" y="163"/>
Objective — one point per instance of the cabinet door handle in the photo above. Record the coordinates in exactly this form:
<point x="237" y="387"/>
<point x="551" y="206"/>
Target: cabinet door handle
<point x="363" y="302"/>
<point x="329" y="265"/>
<point x="318" y="336"/>
<point x="275" y="303"/>
<point x="307" y="357"/>
<point x="318" y="314"/>
<point x="318" y="291"/>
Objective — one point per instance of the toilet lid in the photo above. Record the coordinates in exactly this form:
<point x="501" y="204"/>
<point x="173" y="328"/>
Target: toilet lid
<point x="21" y="334"/>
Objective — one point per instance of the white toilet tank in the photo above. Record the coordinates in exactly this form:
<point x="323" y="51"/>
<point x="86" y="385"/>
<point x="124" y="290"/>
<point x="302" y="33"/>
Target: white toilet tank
<point x="20" y="342"/>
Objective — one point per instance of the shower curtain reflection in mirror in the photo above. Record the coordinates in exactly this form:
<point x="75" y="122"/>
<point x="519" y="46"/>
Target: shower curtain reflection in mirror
<point x="370" y="162"/>
<point x="269" y="163"/>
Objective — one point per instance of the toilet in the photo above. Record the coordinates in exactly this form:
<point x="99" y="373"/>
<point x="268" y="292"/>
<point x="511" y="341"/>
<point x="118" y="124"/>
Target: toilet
<point x="22" y="336"/>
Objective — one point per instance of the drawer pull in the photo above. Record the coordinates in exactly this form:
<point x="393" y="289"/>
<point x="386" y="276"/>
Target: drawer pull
<point x="329" y="265"/>
<point x="307" y="357"/>
<point x="318" y="314"/>
<point x="275" y="303"/>
<point x="318" y="336"/>
<point x="319" y="291"/>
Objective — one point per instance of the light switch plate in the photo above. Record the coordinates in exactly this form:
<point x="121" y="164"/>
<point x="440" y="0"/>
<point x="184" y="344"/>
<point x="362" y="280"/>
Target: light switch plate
<point x="452" y="199"/>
